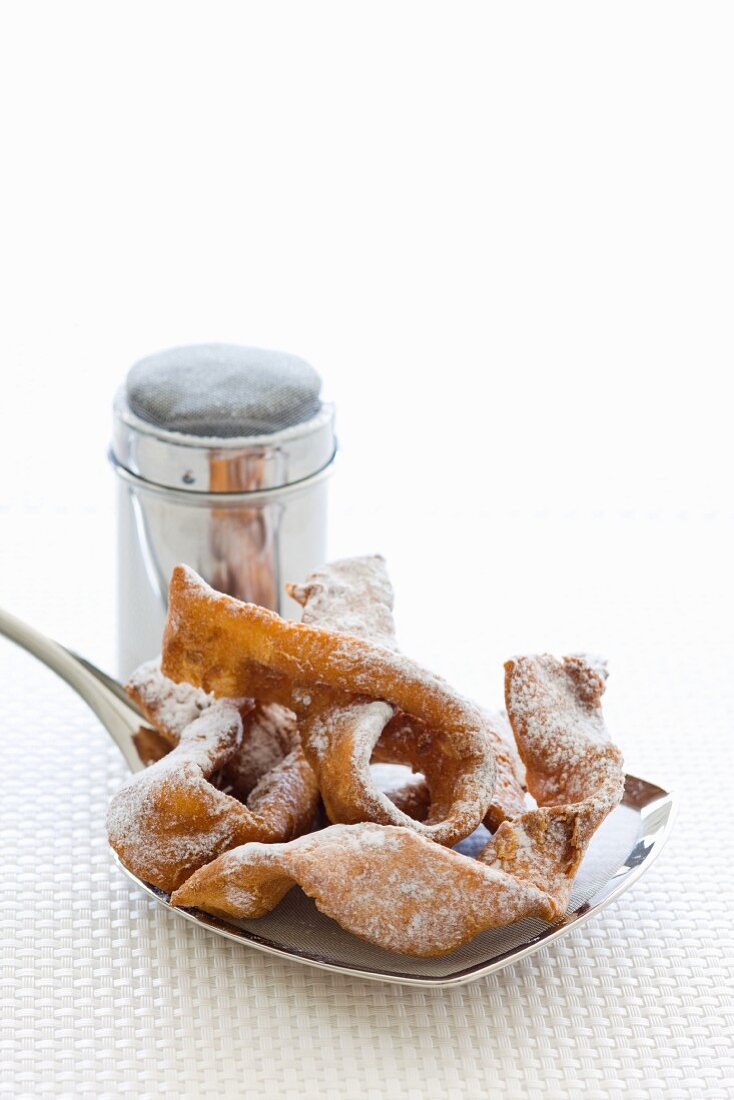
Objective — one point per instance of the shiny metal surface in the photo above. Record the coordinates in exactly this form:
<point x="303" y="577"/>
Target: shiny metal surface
<point x="204" y="464"/>
<point x="638" y="829"/>
<point x="247" y="546"/>
<point x="247" y="512"/>
<point x="106" y="697"/>
<point x="655" y="811"/>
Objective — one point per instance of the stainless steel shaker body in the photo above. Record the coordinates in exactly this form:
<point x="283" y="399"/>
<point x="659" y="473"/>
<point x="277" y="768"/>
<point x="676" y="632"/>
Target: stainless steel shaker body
<point x="246" y="511"/>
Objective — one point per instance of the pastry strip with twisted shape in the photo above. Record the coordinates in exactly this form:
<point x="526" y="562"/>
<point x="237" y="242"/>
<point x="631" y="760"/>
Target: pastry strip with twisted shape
<point x="233" y="649"/>
<point x="398" y="890"/>
<point x="171" y="818"/>
<point x="355" y="596"/>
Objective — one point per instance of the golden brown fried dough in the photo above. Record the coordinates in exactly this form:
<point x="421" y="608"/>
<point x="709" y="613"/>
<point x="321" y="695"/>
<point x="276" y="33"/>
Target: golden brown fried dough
<point x="171" y="818"/>
<point x="387" y="885"/>
<point x="235" y="649"/>
<point x="574" y="771"/>
<point x="399" y="891"/>
<point x="268" y="731"/>
<point x="355" y="596"/>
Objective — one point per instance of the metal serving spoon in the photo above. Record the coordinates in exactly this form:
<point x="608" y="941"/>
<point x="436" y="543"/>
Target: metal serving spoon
<point x="643" y="823"/>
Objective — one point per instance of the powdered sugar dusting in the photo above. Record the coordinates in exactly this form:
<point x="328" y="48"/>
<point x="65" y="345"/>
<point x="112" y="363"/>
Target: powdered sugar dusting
<point x="151" y="821"/>
<point x="369" y="718"/>
<point x="394" y="888"/>
<point x="555" y="710"/>
<point x="575" y="773"/>
<point x="269" y="730"/>
<point x="389" y="884"/>
<point x="381" y="882"/>
<point x="269" y="734"/>
<point x="171" y="818"/>
<point x="169" y="706"/>
<point x="351" y="596"/>
<point x="355" y="596"/>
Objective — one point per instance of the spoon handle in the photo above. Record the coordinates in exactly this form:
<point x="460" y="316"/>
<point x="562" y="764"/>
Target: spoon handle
<point x="99" y="691"/>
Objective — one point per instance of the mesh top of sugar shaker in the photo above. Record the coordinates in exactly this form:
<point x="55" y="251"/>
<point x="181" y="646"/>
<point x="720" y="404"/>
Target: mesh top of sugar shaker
<point x="223" y="390"/>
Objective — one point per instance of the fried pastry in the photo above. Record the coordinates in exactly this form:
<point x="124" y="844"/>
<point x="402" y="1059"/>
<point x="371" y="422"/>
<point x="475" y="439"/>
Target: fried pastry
<point x="354" y="596"/>
<point x="575" y="772"/>
<point x="171" y="818"/>
<point x="269" y="732"/>
<point x="385" y="884"/>
<point x="398" y="890"/>
<point x="337" y="684"/>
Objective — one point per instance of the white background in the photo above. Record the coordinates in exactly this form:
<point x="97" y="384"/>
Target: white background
<point x="504" y="234"/>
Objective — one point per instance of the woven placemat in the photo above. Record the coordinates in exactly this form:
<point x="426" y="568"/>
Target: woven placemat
<point x="104" y="994"/>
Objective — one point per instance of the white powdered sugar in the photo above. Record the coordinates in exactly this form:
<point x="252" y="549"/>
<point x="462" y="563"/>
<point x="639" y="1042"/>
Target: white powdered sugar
<point x="574" y="771"/>
<point x="369" y="718"/>
<point x="269" y="730"/>
<point x="353" y="596"/>
<point x="401" y="891"/>
<point x="269" y="735"/>
<point x="555" y="709"/>
<point x="170" y="706"/>
<point x="383" y="883"/>
<point x="149" y="820"/>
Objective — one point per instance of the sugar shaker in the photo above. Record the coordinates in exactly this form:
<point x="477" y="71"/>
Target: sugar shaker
<point x="222" y="455"/>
